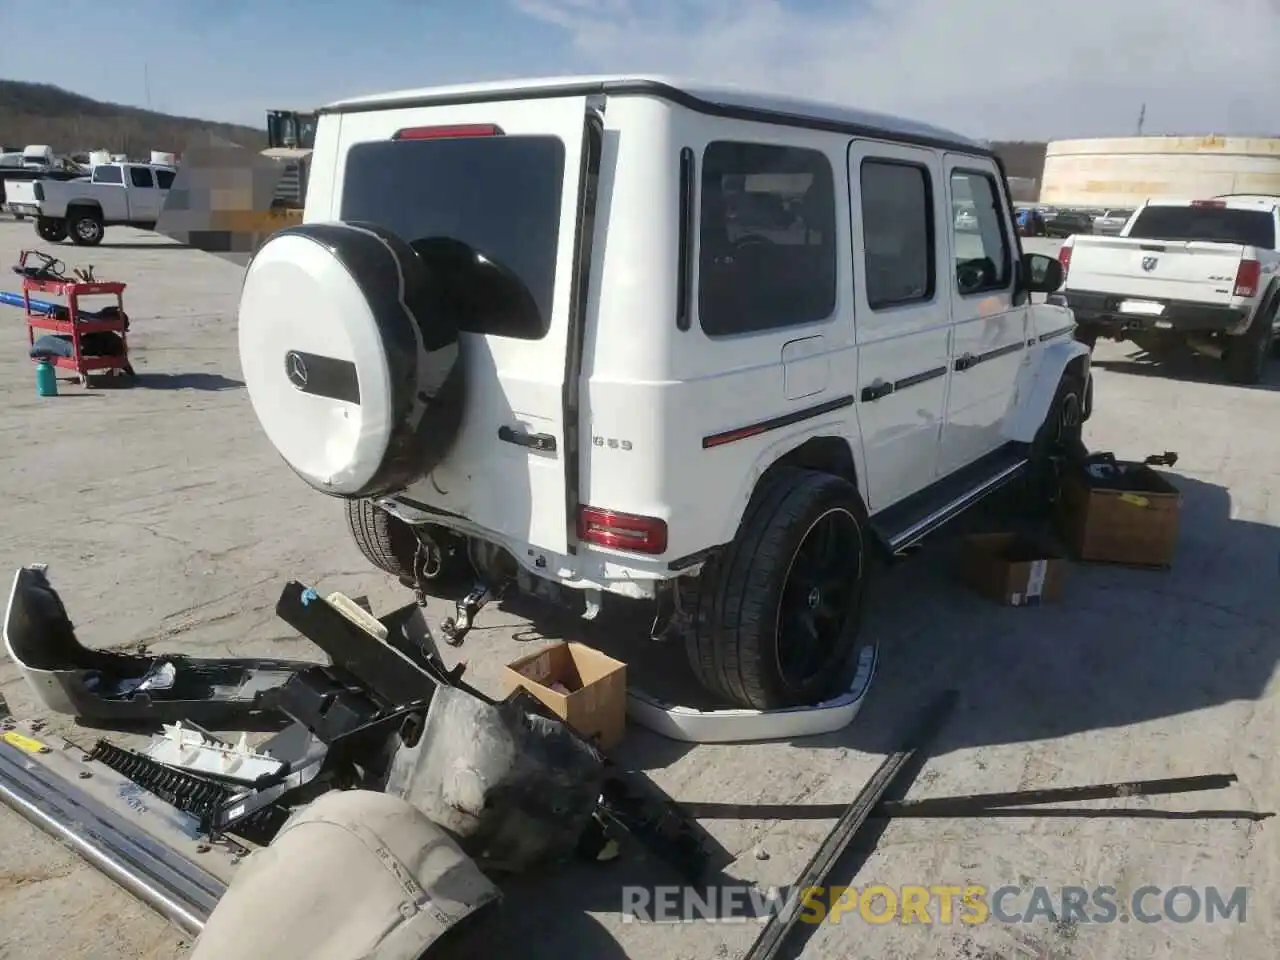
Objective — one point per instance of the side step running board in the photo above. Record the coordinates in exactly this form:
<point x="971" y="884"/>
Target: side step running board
<point x="907" y="523"/>
<point x="155" y="874"/>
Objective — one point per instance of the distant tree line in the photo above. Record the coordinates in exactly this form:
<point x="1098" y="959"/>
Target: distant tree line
<point x="71" y="123"/>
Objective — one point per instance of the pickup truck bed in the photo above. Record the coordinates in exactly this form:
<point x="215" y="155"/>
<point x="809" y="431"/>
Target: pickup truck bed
<point x="1185" y="285"/>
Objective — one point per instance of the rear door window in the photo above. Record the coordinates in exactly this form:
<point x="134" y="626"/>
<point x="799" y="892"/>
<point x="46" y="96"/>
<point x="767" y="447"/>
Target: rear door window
<point x="767" y="238"/>
<point x="140" y="177"/>
<point x="484" y="211"/>
<point x="1254" y="228"/>
<point x="164" y="179"/>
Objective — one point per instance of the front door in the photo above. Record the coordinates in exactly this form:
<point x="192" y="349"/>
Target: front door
<point x="990" y="330"/>
<point x="898" y="212"/>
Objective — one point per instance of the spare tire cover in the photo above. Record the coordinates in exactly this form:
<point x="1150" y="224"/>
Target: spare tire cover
<point x="350" y="357"/>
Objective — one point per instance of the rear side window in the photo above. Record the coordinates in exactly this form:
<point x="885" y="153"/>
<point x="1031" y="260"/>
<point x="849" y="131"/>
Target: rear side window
<point x="164" y="179"/>
<point x="897" y="233"/>
<point x="1254" y="228"/>
<point x="140" y="177"/>
<point x="767" y="238"/>
<point x="484" y="210"/>
<point x="107" y="174"/>
<point x="983" y="262"/>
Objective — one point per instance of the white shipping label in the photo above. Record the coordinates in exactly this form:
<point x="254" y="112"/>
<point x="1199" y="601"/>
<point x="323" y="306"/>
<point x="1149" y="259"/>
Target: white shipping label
<point x="1035" y="579"/>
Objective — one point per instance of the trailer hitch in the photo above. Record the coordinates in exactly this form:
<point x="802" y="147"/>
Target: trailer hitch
<point x="456" y="628"/>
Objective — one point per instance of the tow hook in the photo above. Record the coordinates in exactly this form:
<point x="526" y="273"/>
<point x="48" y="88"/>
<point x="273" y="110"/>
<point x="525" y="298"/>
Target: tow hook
<point x="456" y="628"/>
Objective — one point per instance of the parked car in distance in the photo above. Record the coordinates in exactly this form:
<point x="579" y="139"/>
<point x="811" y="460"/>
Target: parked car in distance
<point x="1066" y="223"/>
<point x="1111" y="221"/>
<point x="116" y="194"/>
<point x="1030" y="223"/>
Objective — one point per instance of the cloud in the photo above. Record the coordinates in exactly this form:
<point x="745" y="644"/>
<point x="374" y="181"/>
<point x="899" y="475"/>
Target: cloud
<point x="987" y="68"/>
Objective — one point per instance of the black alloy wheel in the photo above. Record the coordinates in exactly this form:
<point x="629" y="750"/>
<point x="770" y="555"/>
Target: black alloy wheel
<point x="821" y="593"/>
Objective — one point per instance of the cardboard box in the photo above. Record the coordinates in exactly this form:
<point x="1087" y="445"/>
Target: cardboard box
<point x="1012" y="570"/>
<point x="1136" y="525"/>
<point x="584" y="687"/>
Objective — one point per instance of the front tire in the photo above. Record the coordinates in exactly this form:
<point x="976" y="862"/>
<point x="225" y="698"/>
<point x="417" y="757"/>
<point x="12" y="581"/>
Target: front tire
<point x="779" y="610"/>
<point x="1058" y="444"/>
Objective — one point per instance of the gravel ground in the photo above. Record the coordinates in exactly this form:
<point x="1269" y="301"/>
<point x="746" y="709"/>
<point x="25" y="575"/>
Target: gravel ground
<point x="167" y="519"/>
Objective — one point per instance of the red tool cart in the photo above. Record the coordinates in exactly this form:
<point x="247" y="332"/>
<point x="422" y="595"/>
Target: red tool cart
<point x="76" y="321"/>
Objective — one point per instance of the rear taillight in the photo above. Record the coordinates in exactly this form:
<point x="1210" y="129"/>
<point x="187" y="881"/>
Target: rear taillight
<point x="39" y="192"/>
<point x="622" y="531"/>
<point x="1216" y="204"/>
<point x="1064" y="258"/>
<point x="448" y="132"/>
<point x="1248" y="275"/>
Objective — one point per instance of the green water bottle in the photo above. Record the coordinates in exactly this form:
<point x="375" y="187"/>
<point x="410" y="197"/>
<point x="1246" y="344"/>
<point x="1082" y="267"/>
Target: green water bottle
<point x="46" y="379"/>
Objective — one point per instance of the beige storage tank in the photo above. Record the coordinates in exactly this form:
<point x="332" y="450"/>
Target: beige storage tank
<point x="1124" y="171"/>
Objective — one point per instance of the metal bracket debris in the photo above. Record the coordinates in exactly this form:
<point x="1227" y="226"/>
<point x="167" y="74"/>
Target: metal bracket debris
<point x="180" y="746"/>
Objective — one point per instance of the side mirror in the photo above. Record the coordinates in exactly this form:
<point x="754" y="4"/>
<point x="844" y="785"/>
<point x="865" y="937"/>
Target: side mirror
<point x="1043" y="274"/>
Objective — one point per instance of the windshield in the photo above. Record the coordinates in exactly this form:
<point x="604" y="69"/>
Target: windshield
<point x="1254" y="228"/>
<point x="453" y="199"/>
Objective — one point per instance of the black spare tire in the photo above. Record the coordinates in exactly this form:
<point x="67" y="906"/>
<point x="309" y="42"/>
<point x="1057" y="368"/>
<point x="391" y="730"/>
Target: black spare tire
<point x="350" y="357"/>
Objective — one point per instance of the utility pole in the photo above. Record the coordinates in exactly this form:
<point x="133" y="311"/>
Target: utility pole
<point x="146" y="82"/>
<point x="1142" y="117"/>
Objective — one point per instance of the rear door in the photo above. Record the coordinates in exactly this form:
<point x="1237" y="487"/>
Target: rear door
<point x="144" y="199"/>
<point x="899" y="214"/>
<point x="506" y="179"/>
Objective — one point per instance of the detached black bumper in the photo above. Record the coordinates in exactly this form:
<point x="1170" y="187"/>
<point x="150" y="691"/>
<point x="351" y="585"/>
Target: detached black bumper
<point x="1104" y="310"/>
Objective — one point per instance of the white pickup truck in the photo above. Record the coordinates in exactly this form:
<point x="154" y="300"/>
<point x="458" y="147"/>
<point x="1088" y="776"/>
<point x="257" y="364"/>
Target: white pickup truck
<point x="115" y="194"/>
<point x="1201" y="273"/>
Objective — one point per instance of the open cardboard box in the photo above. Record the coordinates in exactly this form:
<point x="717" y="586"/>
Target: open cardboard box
<point x="582" y="686"/>
<point x="1132" y="522"/>
<point x="1012" y="570"/>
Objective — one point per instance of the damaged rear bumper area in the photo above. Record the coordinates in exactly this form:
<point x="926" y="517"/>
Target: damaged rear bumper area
<point x="389" y="793"/>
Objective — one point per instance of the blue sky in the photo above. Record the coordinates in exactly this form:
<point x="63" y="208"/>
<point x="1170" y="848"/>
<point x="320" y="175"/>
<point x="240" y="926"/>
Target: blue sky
<point x="995" y="68"/>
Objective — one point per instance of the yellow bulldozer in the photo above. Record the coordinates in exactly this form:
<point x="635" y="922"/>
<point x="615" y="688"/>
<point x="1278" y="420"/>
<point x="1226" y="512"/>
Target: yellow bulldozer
<point x="227" y="199"/>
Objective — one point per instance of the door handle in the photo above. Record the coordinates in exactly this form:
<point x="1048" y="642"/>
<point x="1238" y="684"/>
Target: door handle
<point x="534" y="441"/>
<point x="876" y="391"/>
<point x="966" y="362"/>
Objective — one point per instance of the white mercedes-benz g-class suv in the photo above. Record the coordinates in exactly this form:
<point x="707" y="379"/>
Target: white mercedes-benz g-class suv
<point x="694" y="346"/>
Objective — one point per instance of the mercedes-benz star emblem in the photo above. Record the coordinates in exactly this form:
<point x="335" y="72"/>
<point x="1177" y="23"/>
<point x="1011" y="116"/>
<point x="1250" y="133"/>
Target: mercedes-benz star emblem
<point x="295" y="368"/>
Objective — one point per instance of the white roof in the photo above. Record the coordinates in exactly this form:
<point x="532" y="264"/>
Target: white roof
<point x="720" y="96"/>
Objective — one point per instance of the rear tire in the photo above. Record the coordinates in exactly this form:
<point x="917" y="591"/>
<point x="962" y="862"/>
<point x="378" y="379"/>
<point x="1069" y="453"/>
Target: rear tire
<point x="1246" y="355"/>
<point x="386" y="541"/>
<point x="392" y="545"/>
<point x="779" y="610"/>
<point x="51" y="230"/>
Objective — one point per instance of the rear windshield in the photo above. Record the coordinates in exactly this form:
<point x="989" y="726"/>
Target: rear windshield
<point x="1254" y="228"/>
<point x="500" y="196"/>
